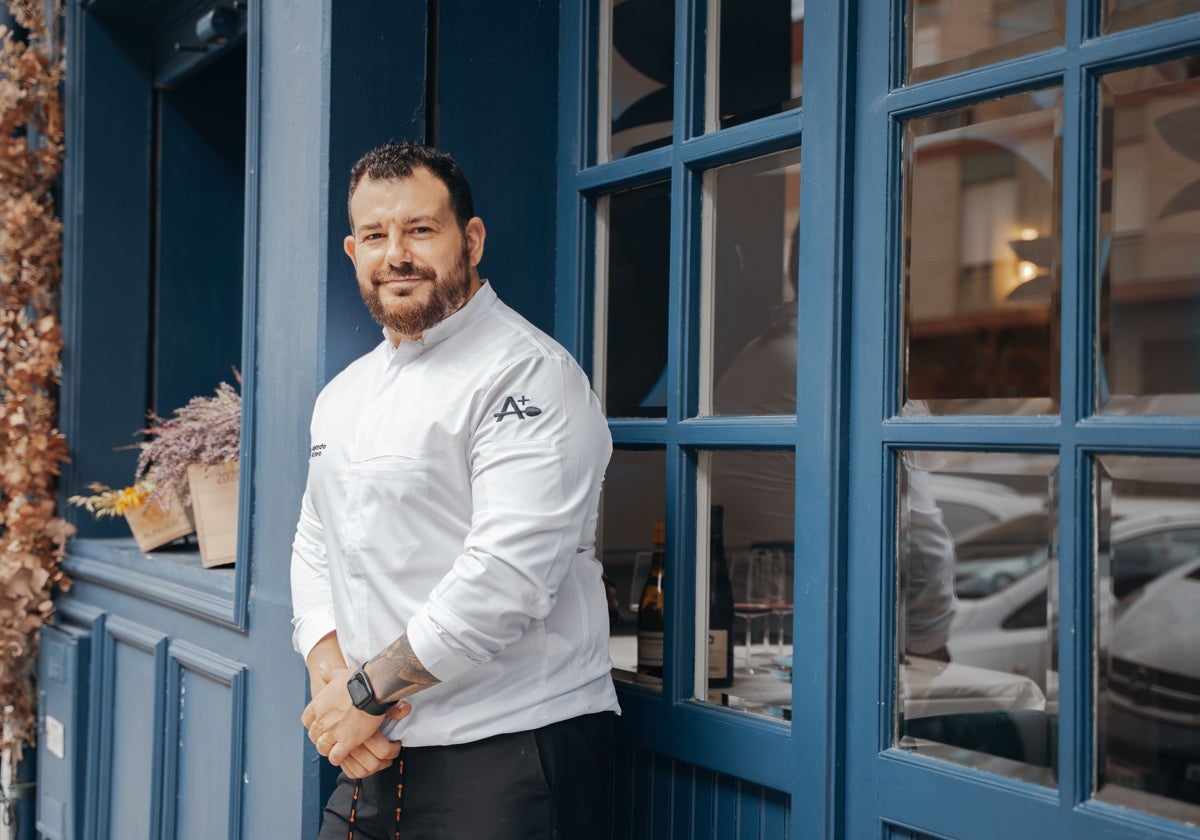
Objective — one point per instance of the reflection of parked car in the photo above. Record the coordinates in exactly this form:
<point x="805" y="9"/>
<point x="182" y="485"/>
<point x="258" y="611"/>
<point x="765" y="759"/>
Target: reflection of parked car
<point x="990" y="558"/>
<point x="1005" y="626"/>
<point x="1005" y="630"/>
<point x="1144" y="545"/>
<point x="968" y="503"/>
<point x="1153" y="724"/>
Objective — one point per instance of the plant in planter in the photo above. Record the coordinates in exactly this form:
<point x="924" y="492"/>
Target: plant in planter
<point x="186" y="479"/>
<point x="193" y="457"/>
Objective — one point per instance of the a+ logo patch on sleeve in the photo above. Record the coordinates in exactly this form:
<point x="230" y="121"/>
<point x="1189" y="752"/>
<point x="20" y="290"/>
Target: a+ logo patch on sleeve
<point x="517" y="407"/>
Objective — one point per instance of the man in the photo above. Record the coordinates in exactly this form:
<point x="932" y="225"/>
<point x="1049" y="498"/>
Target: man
<point x="445" y="587"/>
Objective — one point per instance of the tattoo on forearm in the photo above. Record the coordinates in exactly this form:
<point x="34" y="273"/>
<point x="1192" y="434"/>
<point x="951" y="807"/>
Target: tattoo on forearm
<point x="396" y="672"/>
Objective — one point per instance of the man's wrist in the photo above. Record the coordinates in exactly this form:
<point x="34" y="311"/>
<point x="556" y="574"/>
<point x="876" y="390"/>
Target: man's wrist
<point x="362" y="694"/>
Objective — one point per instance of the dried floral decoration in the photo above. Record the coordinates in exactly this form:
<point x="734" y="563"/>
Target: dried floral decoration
<point x="32" y="537"/>
<point x="206" y="431"/>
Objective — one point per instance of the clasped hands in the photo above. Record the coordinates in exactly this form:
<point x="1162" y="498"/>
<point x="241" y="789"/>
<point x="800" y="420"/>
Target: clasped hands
<point x="349" y="737"/>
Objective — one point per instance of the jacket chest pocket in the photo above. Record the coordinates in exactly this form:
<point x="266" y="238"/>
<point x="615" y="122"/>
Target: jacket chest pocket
<point x="386" y="462"/>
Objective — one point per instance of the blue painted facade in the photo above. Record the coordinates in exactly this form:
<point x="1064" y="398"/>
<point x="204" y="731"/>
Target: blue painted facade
<point x="177" y="685"/>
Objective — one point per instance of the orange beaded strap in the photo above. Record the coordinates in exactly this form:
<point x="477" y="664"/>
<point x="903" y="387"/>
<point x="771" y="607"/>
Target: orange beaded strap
<point x="399" y="801"/>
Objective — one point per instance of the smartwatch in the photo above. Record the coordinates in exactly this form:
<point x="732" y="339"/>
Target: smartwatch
<point x="362" y="694"/>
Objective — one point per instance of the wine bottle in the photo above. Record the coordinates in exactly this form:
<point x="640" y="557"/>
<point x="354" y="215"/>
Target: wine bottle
<point x="720" y="605"/>
<point x="651" y="612"/>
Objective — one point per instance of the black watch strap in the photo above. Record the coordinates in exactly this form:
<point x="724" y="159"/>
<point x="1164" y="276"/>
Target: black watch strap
<point x="362" y="694"/>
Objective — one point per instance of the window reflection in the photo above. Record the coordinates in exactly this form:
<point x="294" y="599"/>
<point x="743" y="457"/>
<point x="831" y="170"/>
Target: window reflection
<point x="949" y="36"/>
<point x="753" y="492"/>
<point x="1126" y="14"/>
<point x="1149" y="251"/>
<point x="752" y="277"/>
<point x="759" y="59"/>
<point x="976" y="675"/>
<point x="1147" y="624"/>
<point x="632" y="361"/>
<point x="982" y="188"/>
<point x="634" y="499"/>
<point x="641" y="69"/>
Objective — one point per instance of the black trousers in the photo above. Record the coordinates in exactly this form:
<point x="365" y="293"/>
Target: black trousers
<point x="543" y="784"/>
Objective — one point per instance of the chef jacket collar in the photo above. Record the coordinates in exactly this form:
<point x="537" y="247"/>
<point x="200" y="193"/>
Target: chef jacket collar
<point x="449" y="326"/>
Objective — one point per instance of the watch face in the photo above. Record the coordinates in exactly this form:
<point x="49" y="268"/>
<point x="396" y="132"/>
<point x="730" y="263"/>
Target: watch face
<point x="359" y="693"/>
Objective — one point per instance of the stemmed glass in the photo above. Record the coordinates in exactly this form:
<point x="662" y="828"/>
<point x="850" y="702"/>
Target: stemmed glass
<point x="780" y="577"/>
<point x="751" y="573"/>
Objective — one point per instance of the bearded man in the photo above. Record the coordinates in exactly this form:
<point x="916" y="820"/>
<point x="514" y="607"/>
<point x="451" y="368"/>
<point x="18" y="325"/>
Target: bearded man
<point x="446" y="593"/>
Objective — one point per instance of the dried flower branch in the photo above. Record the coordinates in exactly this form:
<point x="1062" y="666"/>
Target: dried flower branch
<point x="109" y="501"/>
<point x="32" y="538"/>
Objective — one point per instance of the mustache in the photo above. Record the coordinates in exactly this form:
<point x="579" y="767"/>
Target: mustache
<point x="404" y="271"/>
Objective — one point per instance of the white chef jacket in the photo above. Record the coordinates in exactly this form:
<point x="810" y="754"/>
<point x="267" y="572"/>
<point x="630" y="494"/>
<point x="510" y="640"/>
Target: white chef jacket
<point x="452" y="495"/>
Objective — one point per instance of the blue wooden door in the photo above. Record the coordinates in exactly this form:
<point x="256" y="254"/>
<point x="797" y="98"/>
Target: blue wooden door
<point x="1022" y="353"/>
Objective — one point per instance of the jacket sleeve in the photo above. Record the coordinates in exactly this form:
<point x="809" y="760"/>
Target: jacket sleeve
<point x="537" y="458"/>
<point x="312" y="598"/>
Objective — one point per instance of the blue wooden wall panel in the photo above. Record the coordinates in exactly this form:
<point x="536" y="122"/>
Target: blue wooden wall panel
<point x="203" y="758"/>
<point x="373" y="47"/>
<point x="660" y="797"/>
<point x="497" y="73"/>
<point x="205" y="731"/>
<point x="683" y="798"/>
<point x="131" y="766"/>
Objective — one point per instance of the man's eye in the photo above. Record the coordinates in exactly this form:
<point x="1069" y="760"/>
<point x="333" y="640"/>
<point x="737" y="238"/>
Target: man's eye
<point x="372" y="236"/>
<point x="422" y="229"/>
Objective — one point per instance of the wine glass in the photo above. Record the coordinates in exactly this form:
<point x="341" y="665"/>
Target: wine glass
<point x="750" y="574"/>
<point x="782" y="570"/>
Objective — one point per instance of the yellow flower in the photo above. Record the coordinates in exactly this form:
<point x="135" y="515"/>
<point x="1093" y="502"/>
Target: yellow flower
<point x="107" y="501"/>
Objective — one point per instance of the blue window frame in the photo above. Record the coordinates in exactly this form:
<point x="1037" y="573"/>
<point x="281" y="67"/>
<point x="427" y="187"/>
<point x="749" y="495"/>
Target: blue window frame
<point x="678" y="422"/>
<point x="159" y="264"/>
<point x="895" y="791"/>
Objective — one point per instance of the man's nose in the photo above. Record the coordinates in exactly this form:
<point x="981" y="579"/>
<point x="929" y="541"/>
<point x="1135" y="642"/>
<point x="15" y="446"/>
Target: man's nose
<point x="398" y="251"/>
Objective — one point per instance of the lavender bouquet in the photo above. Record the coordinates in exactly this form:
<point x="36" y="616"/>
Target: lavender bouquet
<point x="206" y="431"/>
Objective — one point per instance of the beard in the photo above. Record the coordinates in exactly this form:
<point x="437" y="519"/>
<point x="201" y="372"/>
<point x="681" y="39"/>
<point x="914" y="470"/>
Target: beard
<point x="408" y="317"/>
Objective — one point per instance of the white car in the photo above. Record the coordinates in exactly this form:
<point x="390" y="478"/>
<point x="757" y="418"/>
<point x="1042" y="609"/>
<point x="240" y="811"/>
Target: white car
<point x="1152" y="725"/>
<point x="1002" y="621"/>
<point x="968" y="503"/>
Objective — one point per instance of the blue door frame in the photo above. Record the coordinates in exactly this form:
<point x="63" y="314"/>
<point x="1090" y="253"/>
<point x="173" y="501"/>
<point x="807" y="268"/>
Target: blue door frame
<point x="891" y="793"/>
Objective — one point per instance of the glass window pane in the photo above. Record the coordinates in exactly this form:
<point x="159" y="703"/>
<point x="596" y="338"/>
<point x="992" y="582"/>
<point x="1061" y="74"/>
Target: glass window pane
<point x="1126" y="14"/>
<point x="949" y="36"/>
<point x="757" y="63"/>
<point x="976" y="671"/>
<point x="752" y="498"/>
<point x="640" y="78"/>
<point x="751" y="276"/>
<point x="981" y="273"/>
<point x="1147" y="626"/>
<point x="1149" y="247"/>
<point x="632" y="361"/>
<point x="634" y="499"/>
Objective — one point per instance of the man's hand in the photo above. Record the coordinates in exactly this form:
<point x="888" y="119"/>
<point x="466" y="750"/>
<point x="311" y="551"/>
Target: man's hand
<point x="330" y="721"/>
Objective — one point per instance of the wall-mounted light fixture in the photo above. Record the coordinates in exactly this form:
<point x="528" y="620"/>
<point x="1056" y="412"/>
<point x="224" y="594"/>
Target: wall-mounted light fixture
<point x="218" y="25"/>
<point x="215" y="28"/>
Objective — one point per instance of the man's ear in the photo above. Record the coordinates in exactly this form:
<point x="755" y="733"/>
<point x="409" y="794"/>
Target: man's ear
<point x="348" y="244"/>
<point x="476" y="234"/>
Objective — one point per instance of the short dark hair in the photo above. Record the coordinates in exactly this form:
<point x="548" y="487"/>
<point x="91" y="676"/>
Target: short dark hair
<point x="399" y="160"/>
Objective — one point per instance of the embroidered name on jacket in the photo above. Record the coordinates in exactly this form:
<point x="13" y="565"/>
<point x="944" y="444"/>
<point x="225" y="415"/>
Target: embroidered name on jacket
<point x="316" y="451"/>
<point x="517" y="407"/>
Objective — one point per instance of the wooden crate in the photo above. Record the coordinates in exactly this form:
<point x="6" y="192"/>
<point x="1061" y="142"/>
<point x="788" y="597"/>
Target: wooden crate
<point x="154" y="526"/>
<point x="215" y="509"/>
